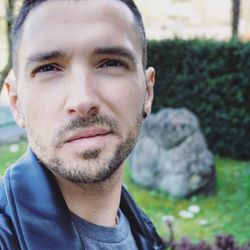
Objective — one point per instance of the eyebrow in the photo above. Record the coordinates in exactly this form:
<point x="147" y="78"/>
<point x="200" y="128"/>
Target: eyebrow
<point x="117" y="51"/>
<point x="44" y="57"/>
<point x="57" y="54"/>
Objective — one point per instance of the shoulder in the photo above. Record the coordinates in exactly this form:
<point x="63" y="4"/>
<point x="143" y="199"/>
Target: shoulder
<point x="3" y="199"/>
<point x="7" y="235"/>
<point x="142" y="228"/>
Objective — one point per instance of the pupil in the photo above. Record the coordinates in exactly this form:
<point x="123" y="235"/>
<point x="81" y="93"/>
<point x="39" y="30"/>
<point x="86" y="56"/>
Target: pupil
<point x="47" y="68"/>
<point x="112" y="63"/>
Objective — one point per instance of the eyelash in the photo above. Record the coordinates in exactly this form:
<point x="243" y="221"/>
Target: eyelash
<point x="113" y="63"/>
<point x="46" y="68"/>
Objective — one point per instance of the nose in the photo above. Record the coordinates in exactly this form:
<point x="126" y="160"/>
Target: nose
<point x="82" y="97"/>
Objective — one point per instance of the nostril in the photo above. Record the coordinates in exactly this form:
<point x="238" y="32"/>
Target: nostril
<point x="82" y="102"/>
<point x="93" y="111"/>
<point x="83" y="110"/>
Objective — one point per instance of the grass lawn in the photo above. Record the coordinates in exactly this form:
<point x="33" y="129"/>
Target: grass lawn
<point x="226" y="212"/>
<point x="7" y="157"/>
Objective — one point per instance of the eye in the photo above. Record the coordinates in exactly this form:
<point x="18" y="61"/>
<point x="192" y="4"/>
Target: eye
<point x="112" y="63"/>
<point x="46" y="69"/>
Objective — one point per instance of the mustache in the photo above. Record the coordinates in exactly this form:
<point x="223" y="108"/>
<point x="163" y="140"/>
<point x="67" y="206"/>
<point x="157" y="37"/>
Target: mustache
<point x="84" y="122"/>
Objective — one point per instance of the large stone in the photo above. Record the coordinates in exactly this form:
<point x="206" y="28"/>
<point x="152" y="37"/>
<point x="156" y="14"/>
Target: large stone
<point x="172" y="155"/>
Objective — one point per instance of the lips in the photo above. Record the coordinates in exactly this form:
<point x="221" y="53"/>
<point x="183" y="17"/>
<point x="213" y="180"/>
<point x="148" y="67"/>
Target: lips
<point x="87" y="134"/>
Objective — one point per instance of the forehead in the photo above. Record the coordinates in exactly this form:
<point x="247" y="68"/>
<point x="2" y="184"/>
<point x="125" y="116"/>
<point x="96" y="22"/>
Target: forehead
<point x="81" y="10"/>
<point x="92" y="22"/>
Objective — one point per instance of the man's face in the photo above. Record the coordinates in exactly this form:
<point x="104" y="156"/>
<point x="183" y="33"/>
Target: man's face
<point x="81" y="87"/>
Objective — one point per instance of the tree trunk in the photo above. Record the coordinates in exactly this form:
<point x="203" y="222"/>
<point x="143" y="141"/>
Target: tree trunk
<point x="8" y="21"/>
<point x="235" y="18"/>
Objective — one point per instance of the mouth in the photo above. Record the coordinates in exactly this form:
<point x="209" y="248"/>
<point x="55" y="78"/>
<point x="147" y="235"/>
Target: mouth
<point x="87" y="134"/>
<point x="93" y="136"/>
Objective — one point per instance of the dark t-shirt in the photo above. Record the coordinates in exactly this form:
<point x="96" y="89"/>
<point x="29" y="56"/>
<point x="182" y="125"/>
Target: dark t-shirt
<point x="106" y="238"/>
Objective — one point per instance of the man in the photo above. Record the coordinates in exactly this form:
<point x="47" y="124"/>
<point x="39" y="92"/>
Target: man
<point x="81" y="93"/>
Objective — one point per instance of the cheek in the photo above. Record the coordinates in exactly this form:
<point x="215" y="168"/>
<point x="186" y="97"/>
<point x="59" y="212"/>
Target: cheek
<point x="126" y="101"/>
<point x="40" y="112"/>
<point x="131" y="103"/>
<point x="40" y="99"/>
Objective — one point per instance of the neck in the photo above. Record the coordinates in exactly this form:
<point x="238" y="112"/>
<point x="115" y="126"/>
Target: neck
<point x="97" y="203"/>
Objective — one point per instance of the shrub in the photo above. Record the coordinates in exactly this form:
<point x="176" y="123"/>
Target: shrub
<point x="212" y="79"/>
<point x="222" y="242"/>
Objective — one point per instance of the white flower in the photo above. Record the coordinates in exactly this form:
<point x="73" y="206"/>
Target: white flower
<point x="14" y="148"/>
<point x="194" y="209"/>
<point x="203" y="222"/>
<point x="185" y="214"/>
<point x="169" y="218"/>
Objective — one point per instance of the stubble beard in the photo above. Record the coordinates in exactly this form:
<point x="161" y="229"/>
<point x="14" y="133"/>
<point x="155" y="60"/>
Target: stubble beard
<point x="91" y="168"/>
<point x="88" y="167"/>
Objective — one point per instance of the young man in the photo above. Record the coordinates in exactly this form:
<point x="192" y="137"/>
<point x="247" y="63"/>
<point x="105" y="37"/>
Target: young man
<point x="81" y="92"/>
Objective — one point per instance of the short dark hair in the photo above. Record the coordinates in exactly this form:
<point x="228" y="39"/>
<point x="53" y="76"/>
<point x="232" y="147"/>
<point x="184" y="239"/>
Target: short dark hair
<point x="28" y="5"/>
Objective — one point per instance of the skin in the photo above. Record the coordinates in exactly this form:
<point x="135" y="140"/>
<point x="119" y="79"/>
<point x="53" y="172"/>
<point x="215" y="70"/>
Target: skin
<point x="80" y="92"/>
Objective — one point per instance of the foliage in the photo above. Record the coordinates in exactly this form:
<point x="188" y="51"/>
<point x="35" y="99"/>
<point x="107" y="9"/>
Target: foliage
<point x="222" y="242"/>
<point x="212" y="79"/>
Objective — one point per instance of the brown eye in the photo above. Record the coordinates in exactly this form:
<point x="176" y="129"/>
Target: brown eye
<point x="112" y="63"/>
<point x="47" y="68"/>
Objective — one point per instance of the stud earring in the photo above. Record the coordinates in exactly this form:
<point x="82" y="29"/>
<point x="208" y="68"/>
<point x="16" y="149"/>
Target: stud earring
<point x="144" y="115"/>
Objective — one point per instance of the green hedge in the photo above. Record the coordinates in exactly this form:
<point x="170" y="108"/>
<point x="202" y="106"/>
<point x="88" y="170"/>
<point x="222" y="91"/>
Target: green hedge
<point x="212" y="79"/>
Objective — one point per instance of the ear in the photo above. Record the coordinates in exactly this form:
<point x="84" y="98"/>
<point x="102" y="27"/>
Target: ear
<point x="11" y="86"/>
<point x="150" y="78"/>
